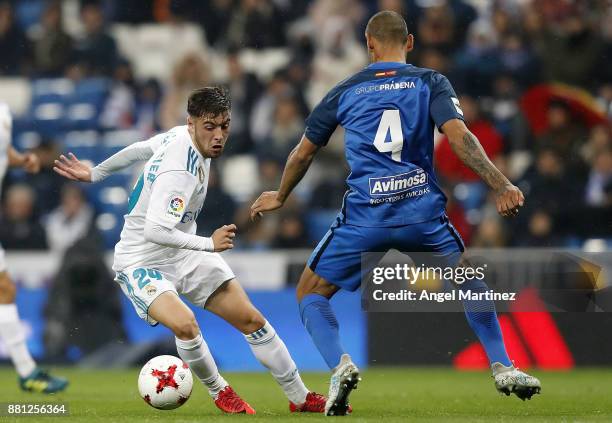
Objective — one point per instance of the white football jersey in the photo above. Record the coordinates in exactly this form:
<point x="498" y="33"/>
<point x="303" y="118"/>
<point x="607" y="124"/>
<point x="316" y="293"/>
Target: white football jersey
<point x="6" y="122"/>
<point x="170" y="192"/>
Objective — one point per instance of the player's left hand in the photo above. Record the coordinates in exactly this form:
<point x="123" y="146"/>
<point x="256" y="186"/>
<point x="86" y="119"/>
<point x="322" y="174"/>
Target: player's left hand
<point x="223" y="238"/>
<point x="266" y="202"/>
<point x="509" y="200"/>
<point x="31" y="163"/>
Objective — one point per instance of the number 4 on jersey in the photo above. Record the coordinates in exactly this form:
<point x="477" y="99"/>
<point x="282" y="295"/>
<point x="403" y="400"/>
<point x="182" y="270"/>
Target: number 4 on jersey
<point x="390" y="121"/>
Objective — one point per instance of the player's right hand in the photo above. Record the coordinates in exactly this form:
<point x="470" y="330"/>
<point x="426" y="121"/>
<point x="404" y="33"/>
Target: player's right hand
<point x="509" y="200"/>
<point x="267" y="201"/>
<point x="223" y="238"/>
<point x="72" y="168"/>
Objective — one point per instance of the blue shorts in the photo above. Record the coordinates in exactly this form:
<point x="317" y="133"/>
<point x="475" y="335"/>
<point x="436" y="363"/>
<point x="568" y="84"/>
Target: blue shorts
<point x="337" y="258"/>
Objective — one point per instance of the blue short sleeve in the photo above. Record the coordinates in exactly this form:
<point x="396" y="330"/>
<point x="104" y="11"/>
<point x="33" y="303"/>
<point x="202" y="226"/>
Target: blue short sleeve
<point x="444" y="104"/>
<point x="323" y="120"/>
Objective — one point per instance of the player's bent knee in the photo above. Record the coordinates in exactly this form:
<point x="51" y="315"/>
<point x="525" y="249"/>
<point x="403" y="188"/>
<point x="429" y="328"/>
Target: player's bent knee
<point x="170" y="311"/>
<point x="187" y="328"/>
<point x="311" y="283"/>
<point x="252" y="322"/>
<point x="8" y="291"/>
<point x="306" y="284"/>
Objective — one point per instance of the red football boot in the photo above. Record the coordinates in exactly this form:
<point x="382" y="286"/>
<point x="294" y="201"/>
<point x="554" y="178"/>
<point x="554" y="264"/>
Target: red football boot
<point x="228" y="401"/>
<point x="315" y="403"/>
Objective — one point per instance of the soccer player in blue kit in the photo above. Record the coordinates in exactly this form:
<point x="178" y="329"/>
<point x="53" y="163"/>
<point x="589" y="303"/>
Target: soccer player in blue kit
<point x="388" y="111"/>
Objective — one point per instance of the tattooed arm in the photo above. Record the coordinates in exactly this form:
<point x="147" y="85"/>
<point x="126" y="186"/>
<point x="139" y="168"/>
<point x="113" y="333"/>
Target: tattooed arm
<point x="467" y="147"/>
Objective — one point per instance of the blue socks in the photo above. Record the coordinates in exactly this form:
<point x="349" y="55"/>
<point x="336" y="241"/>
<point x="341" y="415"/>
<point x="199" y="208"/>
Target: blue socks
<point x="482" y="319"/>
<point x="320" y="322"/>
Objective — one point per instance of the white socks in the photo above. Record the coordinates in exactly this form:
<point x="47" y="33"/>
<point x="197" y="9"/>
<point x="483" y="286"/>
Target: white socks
<point x="271" y="351"/>
<point x="268" y="348"/>
<point x="196" y="354"/>
<point x="12" y="334"/>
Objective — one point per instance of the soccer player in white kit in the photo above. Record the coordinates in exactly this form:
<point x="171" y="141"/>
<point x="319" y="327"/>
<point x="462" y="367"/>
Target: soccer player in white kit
<point x="31" y="377"/>
<point x="159" y="255"/>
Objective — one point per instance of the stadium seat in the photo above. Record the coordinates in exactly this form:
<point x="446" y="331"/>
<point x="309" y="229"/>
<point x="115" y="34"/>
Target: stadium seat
<point x="471" y="195"/>
<point x="92" y="86"/>
<point x="151" y="48"/>
<point x="47" y="118"/>
<point x="113" y="199"/>
<point x="264" y="63"/>
<point x="61" y="87"/>
<point x="81" y="116"/>
<point x="121" y="138"/>
<point x="26" y="140"/>
<point x="17" y="93"/>
<point x="81" y="138"/>
<point x="114" y="141"/>
<point x="109" y="225"/>
<point x="124" y="179"/>
<point x="58" y="104"/>
<point x="83" y="144"/>
<point x="47" y="106"/>
<point x="110" y="202"/>
<point x="29" y="12"/>
<point x="104" y="152"/>
<point x="85" y="104"/>
<point x="518" y="162"/>
<point x="240" y="177"/>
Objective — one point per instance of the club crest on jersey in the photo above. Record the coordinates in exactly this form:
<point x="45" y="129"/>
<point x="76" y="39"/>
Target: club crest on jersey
<point x="201" y="174"/>
<point x="176" y="207"/>
<point x="151" y="290"/>
<point x="389" y="185"/>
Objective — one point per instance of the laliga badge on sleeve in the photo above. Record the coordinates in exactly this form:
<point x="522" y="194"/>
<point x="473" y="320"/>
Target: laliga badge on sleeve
<point x="176" y="206"/>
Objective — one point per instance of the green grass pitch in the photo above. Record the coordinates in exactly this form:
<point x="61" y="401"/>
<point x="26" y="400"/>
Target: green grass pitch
<point x="392" y="394"/>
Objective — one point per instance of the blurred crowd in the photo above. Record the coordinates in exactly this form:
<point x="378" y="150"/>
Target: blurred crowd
<point x="558" y="150"/>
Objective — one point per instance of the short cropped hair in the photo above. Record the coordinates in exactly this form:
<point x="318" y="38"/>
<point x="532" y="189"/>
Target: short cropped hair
<point x="388" y="27"/>
<point x="208" y="101"/>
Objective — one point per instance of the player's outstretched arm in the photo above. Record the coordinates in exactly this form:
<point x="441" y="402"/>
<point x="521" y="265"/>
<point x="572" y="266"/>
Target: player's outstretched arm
<point x="222" y="239"/>
<point x="467" y="147"/>
<point x="28" y="161"/>
<point x="72" y="168"/>
<point x="297" y="165"/>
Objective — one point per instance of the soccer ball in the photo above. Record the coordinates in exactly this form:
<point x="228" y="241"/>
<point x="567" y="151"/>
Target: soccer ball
<point x="165" y="382"/>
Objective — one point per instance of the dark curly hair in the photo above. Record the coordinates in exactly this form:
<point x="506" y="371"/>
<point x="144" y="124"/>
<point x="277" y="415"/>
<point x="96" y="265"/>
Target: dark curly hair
<point x="208" y="101"/>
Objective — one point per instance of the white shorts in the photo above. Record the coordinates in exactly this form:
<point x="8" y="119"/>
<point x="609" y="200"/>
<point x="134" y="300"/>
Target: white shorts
<point x="195" y="277"/>
<point x="2" y="260"/>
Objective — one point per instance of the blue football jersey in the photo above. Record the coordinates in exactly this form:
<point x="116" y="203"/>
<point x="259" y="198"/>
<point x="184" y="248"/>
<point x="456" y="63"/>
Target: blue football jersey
<point x="388" y="111"/>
